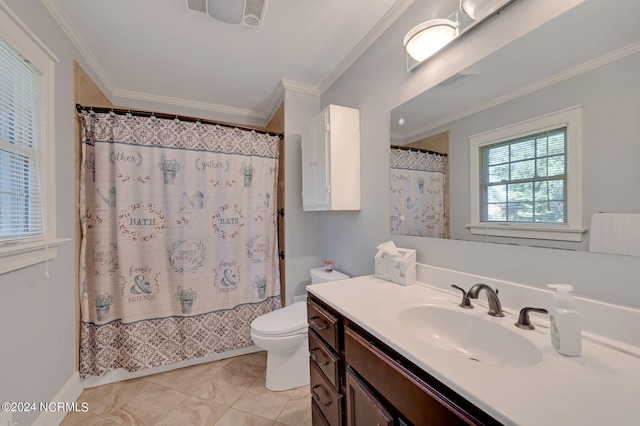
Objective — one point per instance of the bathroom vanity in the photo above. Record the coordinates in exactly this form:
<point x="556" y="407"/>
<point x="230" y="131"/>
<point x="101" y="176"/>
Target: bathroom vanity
<point x="374" y="360"/>
<point x="358" y="380"/>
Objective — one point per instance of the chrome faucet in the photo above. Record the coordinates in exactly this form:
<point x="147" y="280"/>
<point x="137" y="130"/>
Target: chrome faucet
<point x="495" y="308"/>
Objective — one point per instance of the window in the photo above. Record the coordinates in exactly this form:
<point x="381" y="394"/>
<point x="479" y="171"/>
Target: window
<point x="27" y="201"/>
<point x="527" y="179"/>
<point x="21" y="120"/>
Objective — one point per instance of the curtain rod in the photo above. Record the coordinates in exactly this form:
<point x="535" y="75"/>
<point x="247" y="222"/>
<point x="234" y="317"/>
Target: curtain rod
<point x="413" y="148"/>
<point x="139" y="113"/>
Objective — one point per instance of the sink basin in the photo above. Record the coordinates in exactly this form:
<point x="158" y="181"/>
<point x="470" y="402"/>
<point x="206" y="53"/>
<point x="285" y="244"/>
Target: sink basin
<point x="472" y="337"/>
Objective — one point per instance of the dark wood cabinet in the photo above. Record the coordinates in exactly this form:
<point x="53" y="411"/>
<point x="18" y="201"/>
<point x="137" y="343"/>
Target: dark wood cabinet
<point x="363" y="408"/>
<point x="325" y="359"/>
<point x="326" y="364"/>
<point x="357" y="380"/>
<point x="324" y="323"/>
<point x="325" y="396"/>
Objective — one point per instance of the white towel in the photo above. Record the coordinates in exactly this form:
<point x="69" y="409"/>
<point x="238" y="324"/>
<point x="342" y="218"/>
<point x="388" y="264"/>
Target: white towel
<point x="615" y="233"/>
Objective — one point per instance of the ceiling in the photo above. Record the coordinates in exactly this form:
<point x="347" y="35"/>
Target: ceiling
<point x="160" y="51"/>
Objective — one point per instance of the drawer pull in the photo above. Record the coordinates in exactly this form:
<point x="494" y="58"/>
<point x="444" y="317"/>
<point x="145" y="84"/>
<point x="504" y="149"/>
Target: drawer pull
<point x="316" y="360"/>
<point x="315" y="324"/>
<point x="317" y="397"/>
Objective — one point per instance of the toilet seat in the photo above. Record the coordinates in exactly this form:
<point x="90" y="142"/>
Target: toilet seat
<point x="286" y="321"/>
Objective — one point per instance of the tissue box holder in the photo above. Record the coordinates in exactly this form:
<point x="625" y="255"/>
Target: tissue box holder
<point x="399" y="269"/>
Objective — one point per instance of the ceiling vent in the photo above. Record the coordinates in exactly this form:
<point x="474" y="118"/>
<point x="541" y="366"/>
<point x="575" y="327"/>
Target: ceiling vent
<point x="247" y="13"/>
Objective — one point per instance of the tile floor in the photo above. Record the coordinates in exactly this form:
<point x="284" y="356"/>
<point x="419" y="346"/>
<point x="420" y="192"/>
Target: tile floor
<point x="227" y="392"/>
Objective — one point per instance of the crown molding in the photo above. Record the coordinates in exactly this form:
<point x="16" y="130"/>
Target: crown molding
<point x="77" y="41"/>
<point x="385" y="22"/>
<point x="294" y="86"/>
<point x="279" y="93"/>
<point x="139" y="96"/>
<point x="556" y="78"/>
<point x="275" y="99"/>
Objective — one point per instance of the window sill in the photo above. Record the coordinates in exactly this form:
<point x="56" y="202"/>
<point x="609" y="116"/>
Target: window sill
<point x="538" y="232"/>
<point x="20" y="255"/>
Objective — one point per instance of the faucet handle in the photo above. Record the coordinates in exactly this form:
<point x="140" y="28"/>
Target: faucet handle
<point x="465" y="303"/>
<point x="523" y="319"/>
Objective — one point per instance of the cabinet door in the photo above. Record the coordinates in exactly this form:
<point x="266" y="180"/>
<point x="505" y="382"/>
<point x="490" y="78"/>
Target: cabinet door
<point x="308" y="167"/>
<point x="315" y="194"/>
<point x="417" y="400"/>
<point x="321" y="142"/>
<point x="363" y="408"/>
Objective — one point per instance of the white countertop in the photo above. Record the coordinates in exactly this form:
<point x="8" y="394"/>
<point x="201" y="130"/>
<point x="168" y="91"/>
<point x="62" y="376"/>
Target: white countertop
<point x="600" y="387"/>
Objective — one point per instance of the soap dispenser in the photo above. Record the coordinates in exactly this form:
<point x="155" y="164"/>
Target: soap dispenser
<point x="566" y="335"/>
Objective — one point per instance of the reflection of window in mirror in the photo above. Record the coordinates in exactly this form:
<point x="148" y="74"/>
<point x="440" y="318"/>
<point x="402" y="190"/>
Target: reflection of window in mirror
<point x="528" y="179"/>
<point x="438" y="143"/>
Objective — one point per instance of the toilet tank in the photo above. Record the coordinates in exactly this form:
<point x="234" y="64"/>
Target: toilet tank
<point x="319" y="275"/>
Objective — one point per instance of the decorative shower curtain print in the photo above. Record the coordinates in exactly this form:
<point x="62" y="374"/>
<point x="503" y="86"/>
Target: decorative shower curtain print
<point x="417" y="193"/>
<point x="179" y="240"/>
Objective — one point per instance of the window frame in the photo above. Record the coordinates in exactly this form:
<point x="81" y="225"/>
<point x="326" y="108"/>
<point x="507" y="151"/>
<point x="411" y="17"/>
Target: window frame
<point x="16" y="254"/>
<point x="571" y="118"/>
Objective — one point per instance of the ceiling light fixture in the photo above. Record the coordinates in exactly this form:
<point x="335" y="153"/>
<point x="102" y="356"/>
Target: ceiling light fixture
<point x="427" y="38"/>
<point x="480" y="9"/>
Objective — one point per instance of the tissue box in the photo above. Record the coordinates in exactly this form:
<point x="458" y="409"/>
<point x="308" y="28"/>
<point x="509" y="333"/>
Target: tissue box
<point x="400" y="269"/>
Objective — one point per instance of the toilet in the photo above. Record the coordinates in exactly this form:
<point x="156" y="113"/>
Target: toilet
<point x="283" y="334"/>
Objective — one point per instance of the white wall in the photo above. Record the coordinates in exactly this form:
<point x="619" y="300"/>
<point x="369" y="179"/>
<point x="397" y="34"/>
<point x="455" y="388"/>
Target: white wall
<point x="377" y="83"/>
<point x="302" y="245"/>
<point x="37" y="314"/>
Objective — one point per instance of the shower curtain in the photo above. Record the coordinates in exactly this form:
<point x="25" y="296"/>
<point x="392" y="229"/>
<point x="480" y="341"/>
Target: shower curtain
<point x="179" y="242"/>
<point x="417" y="193"/>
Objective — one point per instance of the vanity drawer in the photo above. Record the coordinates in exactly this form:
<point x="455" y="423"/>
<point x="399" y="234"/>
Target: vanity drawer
<point x="317" y="418"/>
<point x="324" y="323"/>
<point x="326" y="397"/>
<point x="408" y="393"/>
<point x="324" y="358"/>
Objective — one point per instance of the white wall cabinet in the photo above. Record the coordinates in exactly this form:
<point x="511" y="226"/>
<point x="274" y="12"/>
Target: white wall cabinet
<point x="331" y="161"/>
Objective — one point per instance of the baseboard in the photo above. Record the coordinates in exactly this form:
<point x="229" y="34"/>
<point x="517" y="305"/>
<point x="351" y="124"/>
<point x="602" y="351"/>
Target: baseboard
<point x="69" y="393"/>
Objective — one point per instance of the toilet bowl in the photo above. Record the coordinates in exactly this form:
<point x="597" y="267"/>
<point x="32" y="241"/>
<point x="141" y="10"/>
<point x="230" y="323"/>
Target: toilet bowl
<point x="283" y="333"/>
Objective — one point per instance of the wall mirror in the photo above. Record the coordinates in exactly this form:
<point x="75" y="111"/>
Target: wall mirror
<point x="585" y="56"/>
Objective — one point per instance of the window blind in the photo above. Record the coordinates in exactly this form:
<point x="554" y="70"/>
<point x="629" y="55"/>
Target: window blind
<point x="525" y="179"/>
<point x="22" y="147"/>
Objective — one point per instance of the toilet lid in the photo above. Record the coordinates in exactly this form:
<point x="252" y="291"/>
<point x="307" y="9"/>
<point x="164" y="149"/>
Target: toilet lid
<point x="281" y="321"/>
